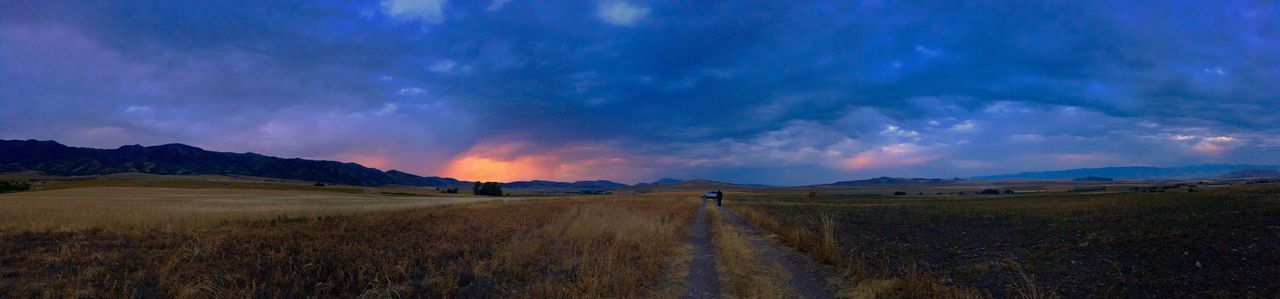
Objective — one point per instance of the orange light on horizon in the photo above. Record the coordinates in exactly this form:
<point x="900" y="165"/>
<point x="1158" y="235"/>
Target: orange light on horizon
<point x="477" y="168"/>
<point x="517" y="162"/>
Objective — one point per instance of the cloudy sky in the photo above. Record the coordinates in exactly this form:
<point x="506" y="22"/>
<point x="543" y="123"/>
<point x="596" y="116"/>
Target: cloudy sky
<point x="779" y="92"/>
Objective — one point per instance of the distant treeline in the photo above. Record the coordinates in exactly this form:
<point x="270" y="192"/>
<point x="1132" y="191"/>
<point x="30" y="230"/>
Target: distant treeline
<point x="487" y="188"/>
<point x="13" y="187"/>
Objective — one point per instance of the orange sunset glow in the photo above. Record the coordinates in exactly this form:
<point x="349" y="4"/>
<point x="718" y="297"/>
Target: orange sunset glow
<point x="518" y="162"/>
<point x="472" y="167"/>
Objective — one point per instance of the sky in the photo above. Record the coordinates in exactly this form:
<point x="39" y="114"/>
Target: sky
<point x="774" y="92"/>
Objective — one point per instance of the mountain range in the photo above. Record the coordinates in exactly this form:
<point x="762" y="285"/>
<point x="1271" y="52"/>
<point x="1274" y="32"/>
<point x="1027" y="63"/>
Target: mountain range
<point x="1252" y="173"/>
<point x="887" y="181"/>
<point x="587" y="185"/>
<point x="53" y="158"/>
<point x="1137" y="172"/>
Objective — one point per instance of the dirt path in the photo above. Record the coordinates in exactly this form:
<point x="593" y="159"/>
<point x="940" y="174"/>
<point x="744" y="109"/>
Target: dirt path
<point x="808" y="278"/>
<point x="702" y="280"/>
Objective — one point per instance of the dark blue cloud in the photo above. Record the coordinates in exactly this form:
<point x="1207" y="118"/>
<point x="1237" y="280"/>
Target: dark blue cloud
<point x="776" y="92"/>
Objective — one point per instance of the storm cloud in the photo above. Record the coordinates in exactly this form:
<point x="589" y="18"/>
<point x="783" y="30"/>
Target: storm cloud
<point x="786" y="92"/>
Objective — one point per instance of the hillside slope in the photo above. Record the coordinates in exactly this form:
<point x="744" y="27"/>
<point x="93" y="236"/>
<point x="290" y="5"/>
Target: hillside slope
<point x="1252" y="173"/>
<point x="53" y="158"/>
<point x="1135" y="172"/>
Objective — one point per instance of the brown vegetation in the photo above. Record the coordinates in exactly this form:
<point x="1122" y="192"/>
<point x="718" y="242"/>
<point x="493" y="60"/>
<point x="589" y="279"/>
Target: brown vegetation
<point x="192" y="182"/>
<point x="1217" y="242"/>
<point x="556" y="248"/>
<point x="742" y="273"/>
<point x="139" y="209"/>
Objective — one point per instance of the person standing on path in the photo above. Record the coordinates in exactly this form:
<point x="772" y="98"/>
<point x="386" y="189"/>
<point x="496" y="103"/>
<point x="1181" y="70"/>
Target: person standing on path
<point x="719" y="197"/>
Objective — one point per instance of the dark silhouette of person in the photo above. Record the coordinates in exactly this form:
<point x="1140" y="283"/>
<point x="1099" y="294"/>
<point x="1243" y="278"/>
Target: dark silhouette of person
<point x="719" y="197"/>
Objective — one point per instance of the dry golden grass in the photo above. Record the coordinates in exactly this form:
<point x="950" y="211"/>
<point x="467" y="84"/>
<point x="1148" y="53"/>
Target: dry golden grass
<point x="140" y="208"/>
<point x="554" y="248"/>
<point x="599" y="249"/>
<point x="742" y="273"/>
<point x="187" y="182"/>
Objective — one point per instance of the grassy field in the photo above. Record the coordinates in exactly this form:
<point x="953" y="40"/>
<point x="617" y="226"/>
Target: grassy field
<point x="1219" y="242"/>
<point x="185" y="237"/>
<point x="546" y="248"/>
<point x="209" y="237"/>
<point x="138" y="208"/>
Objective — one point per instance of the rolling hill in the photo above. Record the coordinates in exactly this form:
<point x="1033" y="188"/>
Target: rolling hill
<point x="52" y="158"/>
<point x="692" y="185"/>
<point x="888" y="181"/>
<point x="1136" y="172"/>
<point x="1252" y="173"/>
<point x="579" y="185"/>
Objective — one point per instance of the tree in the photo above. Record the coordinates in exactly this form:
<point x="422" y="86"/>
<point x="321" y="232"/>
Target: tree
<point x="899" y="193"/>
<point x="487" y="188"/>
<point x="7" y="186"/>
<point x="989" y="191"/>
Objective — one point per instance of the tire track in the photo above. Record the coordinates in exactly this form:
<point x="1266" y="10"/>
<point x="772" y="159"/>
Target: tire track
<point x="702" y="281"/>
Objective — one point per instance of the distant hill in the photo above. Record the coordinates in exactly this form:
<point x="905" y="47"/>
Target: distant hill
<point x="409" y="179"/>
<point x="1136" y="172"/>
<point x="696" y="184"/>
<point x="667" y="181"/>
<point x="1252" y="173"/>
<point x="52" y="158"/>
<point x="884" y="180"/>
<point x="659" y="182"/>
<point x="579" y="185"/>
<point x="1093" y="179"/>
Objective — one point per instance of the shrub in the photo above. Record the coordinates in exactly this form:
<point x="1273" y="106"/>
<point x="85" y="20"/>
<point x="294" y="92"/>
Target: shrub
<point x="989" y="191"/>
<point x="814" y="194"/>
<point x="899" y="193"/>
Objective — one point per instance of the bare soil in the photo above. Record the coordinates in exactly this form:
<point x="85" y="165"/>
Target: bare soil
<point x="701" y="281"/>
<point x="1224" y="243"/>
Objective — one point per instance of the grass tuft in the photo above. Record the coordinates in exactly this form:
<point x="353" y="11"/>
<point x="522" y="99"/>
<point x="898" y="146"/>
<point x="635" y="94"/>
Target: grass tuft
<point x="742" y="272"/>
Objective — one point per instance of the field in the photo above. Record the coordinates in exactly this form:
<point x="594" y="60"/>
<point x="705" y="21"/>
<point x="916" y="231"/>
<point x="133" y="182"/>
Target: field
<point x="135" y="208"/>
<point x="540" y="248"/>
<point x="1221" y="242"/>
<point x="210" y="237"/>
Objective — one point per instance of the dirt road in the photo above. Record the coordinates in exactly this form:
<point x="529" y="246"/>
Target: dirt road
<point x="807" y="278"/>
<point x="702" y="279"/>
